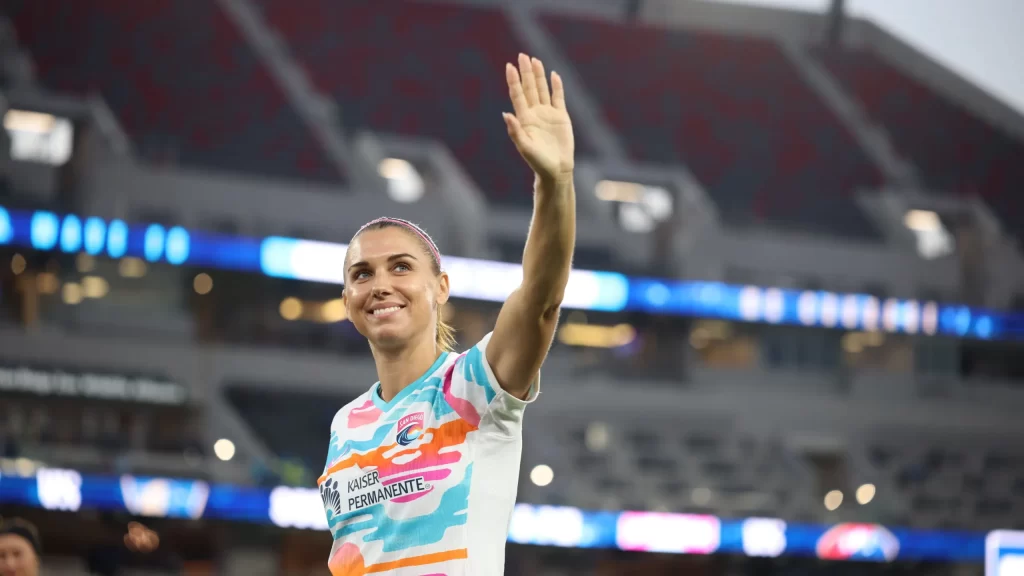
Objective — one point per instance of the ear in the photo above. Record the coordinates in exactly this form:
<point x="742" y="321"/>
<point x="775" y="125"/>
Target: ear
<point x="443" y="289"/>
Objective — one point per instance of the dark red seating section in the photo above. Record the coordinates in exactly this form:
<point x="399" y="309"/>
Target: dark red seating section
<point x="414" y="68"/>
<point x="735" y="111"/>
<point x="181" y="78"/>
<point x="954" y="150"/>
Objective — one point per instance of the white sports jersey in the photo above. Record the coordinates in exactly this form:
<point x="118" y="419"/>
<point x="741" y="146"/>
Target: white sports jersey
<point x="424" y="485"/>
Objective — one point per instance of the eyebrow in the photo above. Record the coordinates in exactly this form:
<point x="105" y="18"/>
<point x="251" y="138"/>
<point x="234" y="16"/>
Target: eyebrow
<point x="392" y="258"/>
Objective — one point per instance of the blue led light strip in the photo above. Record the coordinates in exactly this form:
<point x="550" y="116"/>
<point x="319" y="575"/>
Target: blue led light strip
<point x="493" y="281"/>
<point x="71" y="491"/>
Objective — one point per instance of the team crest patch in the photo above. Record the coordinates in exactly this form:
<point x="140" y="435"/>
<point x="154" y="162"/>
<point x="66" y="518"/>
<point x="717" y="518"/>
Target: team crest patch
<point x="409" y="428"/>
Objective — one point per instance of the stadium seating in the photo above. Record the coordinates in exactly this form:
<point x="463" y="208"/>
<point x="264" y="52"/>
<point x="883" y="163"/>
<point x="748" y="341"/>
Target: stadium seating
<point x="949" y="484"/>
<point x="413" y="68"/>
<point x="293" y="425"/>
<point x="657" y="465"/>
<point x="180" y="77"/>
<point x="734" y="111"/>
<point x="954" y="150"/>
<point x="93" y="435"/>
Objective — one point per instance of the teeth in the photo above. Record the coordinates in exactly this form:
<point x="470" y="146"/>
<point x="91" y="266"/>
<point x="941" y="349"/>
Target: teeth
<point x="386" y="310"/>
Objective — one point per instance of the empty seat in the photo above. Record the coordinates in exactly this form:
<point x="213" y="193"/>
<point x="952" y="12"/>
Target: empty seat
<point x="955" y="150"/>
<point x="417" y="69"/>
<point x="968" y="485"/>
<point x="182" y="80"/>
<point x="293" y="425"/>
<point x="735" y="111"/>
<point x="645" y="467"/>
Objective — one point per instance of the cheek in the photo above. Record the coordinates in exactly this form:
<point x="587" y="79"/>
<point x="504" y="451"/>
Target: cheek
<point x="354" y="301"/>
<point x="421" y="295"/>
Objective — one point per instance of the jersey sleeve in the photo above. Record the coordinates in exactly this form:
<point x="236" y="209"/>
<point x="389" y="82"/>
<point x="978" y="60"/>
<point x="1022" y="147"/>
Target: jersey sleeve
<point x="473" y="391"/>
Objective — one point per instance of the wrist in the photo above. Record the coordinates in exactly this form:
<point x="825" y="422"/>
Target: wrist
<point x="557" y="181"/>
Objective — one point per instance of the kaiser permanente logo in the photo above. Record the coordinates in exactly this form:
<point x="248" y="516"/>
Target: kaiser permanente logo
<point x="367" y="489"/>
<point x="409" y="428"/>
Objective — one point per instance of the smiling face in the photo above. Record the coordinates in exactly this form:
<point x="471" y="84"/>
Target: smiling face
<point x="393" y="288"/>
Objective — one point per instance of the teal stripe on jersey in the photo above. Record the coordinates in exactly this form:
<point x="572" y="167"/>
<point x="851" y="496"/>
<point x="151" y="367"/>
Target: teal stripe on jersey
<point x="400" y="535"/>
<point x="474" y="371"/>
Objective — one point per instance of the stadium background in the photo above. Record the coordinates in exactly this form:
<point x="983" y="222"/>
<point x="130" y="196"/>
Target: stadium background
<point x="791" y="344"/>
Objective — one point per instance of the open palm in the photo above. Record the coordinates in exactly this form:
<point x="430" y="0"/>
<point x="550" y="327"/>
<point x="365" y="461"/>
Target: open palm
<point x="540" y="128"/>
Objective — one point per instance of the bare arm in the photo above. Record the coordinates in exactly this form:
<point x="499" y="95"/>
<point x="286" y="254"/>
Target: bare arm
<point x="542" y="132"/>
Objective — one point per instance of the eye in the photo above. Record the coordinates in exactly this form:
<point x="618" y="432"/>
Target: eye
<point x="360" y="275"/>
<point x="402" y="267"/>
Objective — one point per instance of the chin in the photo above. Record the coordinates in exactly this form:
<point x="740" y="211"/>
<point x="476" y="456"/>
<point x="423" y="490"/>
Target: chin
<point x="390" y="338"/>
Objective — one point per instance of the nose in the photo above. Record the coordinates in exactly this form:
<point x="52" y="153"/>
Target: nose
<point x="381" y="285"/>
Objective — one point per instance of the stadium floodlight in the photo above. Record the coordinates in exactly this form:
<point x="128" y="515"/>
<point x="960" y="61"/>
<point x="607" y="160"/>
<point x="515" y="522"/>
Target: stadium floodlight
<point x="39" y="137"/>
<point x="641" y="207"/>
<point x="95" y="287"/>
<point x="18" y="264"/>
<point x="290" y="308"/>
<point x="333" y="311"/>
<point x="922" y="220"/>
<point x="833" y="500"/>
<point x="131" y="267"/>
<point x="542" y="475"/>
<point x="72" y="293"/>
<point x="616" y="191"/>
<point x="594" y="336"/>
<point x="865" y="494"/>
<point x="933" y="240"/>
<point x="224" y="449"/>
<point x="405" y="184"/>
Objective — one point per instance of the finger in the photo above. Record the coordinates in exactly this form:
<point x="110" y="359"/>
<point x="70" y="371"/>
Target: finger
<point x="543" y="94"/>
<point x="557" y="91"/>
<point x="515" y="89"/>
<point x="515" y="129"/>
<point x="529" y="83"/>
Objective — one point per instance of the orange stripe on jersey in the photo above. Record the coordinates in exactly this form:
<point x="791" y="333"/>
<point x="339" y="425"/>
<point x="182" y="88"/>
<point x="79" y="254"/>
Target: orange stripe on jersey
<point x="352" y="565"/>
<point x="419" y="560"/>
<point x="448" y="434"/>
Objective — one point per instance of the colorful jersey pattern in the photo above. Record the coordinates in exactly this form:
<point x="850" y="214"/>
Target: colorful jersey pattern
<point x="424" y="485"/>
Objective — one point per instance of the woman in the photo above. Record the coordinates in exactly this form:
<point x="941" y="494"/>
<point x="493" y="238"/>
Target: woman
<point x="423" y="468"/>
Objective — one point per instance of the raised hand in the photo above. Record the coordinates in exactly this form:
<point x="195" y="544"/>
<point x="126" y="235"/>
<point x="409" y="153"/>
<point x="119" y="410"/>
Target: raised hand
<point x="540" y="128"/>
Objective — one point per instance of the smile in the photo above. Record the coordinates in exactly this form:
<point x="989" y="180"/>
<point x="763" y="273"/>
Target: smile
<point x="386" y="311"/>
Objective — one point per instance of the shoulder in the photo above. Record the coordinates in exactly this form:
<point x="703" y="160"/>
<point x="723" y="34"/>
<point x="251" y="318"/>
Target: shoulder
<point x="470" y="365"/>
<point x="472" y="377"/>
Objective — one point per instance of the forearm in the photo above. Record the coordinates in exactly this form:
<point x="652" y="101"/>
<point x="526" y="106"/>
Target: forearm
<point x="547" y="258"/>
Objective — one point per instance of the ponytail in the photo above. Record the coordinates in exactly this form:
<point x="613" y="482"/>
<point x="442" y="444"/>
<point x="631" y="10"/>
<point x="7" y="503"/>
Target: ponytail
<point x="445" y="333"/>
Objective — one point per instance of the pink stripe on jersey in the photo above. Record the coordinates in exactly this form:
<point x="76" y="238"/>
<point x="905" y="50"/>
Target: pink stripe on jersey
<point x="428" y="475"/>
<point x="464" y="408"/>
<point x="363" y="415"/>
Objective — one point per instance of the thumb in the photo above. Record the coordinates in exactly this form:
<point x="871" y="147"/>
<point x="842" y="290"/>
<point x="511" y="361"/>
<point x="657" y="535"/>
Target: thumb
<point x="515" y="129"/>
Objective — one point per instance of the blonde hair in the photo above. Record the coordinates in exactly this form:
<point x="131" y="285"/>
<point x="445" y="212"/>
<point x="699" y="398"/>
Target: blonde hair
<point x="445" y="335"/>
<point x="445" y="332"/>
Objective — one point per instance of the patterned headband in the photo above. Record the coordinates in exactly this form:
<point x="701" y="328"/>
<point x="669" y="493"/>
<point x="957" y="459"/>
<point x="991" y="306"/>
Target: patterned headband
<point x="408" y="226"/>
